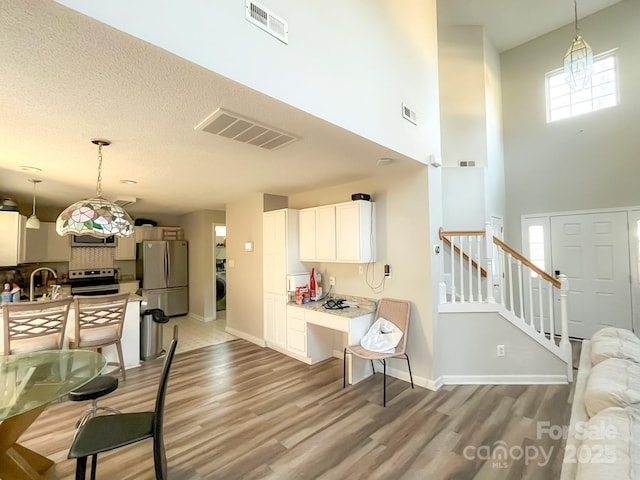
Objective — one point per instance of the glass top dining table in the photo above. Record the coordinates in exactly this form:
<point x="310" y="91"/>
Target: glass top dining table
<point x="28" y="383"/>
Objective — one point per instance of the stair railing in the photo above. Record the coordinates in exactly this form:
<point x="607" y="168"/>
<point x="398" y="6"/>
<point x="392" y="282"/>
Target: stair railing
<point x="484" y="269"/>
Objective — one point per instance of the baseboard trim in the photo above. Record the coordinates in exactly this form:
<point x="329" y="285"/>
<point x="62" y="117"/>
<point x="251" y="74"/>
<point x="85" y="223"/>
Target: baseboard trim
<point x="503" y="379"/>
<point x="245" y="336"/>
<point x="423" y="382"/>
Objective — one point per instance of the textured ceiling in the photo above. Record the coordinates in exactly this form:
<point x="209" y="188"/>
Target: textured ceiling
<point x="67" y="78"/>
<point x="509" y="23"/>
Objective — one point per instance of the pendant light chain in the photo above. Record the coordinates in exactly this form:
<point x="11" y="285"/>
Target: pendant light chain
<point x="575" y="11"/>
<point x="34" y="198"/>
<point x="99" y="185"/>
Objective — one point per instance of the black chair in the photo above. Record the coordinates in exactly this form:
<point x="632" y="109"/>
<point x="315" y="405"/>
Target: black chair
<point x="108" y="432"/>
<point x="96" y="388"/>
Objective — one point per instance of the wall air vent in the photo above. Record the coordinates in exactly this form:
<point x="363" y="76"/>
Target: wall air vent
<point x="125" y="201"/>
<point x="267" y="21"/>
<point x="231" y="125"/>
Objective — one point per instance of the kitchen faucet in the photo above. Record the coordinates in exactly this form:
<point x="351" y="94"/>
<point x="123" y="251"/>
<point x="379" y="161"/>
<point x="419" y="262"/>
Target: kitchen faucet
<point x="31" y="282"/>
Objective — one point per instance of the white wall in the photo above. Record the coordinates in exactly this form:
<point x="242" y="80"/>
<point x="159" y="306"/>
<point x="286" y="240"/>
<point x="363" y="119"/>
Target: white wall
<point x="469" y="353"/>
<point x="244" y="269"/>
<point x="471" y="125"/>
<point x="351" y="63"/>
<point x="462" y="95"/>
<point x="403" y="242"/>
<point x="197" y="231"/>
<point x="585" y="162"/>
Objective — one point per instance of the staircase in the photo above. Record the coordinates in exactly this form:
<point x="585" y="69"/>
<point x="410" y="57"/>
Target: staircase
<point x="488" y="281"/>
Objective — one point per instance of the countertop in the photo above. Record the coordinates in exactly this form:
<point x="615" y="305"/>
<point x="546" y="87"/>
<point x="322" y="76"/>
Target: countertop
<point x="365" y="306"/>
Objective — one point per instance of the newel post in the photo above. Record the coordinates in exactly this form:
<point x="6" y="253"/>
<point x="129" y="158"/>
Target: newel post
<point x="565" y="345"/>
<point x="488" y="243"/>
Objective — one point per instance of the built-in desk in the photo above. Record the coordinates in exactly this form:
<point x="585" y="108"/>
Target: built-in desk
<point x="310" y="333"/>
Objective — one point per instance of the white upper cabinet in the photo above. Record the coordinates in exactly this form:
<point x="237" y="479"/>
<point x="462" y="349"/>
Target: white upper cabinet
<point x="11" y="239"/>
<point x="125" y="248"/>
<point x="318" y="234"/>
<point x="355" y="232"/>
<point x="307" y="234"/>
<point x="343" y="232"/>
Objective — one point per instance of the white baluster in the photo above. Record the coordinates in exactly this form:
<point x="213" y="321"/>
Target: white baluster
<point x="520" y="290"/>
<point x="488" y="250"/>
<point x="503" y="298"/>
<point x="470" y="264"/>
<point x="541" y="311"/>
<point x="461" y="269"/>
<point x="552" y="326"/>
<point x="453" y="269"/>
<point x="530" y="298"/>
<point x="511" y="281"/>
<point x="478" y="249"/>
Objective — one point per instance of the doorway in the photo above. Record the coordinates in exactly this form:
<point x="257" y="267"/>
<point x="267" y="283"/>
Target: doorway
<point x="599" y="252"/>
<point x="220" y="260"/>
<point x="592" y="250"/>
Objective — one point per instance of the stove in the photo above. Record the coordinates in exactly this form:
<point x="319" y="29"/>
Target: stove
<point x="96" y="281"/>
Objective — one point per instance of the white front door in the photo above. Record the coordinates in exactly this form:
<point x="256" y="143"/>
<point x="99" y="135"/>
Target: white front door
<point x="592" y="250"/>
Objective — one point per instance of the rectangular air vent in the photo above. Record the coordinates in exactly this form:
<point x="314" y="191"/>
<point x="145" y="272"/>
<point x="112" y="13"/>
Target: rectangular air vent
<point x="231" y="125"/>
<point x="467" y="163"/>
<point x="409" y="114"/>
<point x="267" y="21"/>
<point x="124" y="201"/>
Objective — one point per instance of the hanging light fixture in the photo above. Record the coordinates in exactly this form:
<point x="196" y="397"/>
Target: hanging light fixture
<point x="96" y="217"/>
<point x="32" y="221"/>
<point x="578" y="61"/>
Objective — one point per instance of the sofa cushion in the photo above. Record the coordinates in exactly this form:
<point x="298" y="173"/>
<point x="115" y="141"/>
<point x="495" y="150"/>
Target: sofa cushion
<point x="613" y="342"/>
<point x="610" y="446"/>
<point x="612" y="383"/>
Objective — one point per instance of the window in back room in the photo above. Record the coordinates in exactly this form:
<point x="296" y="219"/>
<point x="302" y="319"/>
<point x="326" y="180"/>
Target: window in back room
<point x="601" y="91"/>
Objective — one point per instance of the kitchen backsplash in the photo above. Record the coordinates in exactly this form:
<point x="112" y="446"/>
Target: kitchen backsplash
<point x="91" y="257"/>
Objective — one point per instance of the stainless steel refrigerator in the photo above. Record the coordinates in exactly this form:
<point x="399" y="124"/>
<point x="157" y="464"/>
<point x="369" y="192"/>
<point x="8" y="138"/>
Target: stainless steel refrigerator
<point x="162" y="268"/>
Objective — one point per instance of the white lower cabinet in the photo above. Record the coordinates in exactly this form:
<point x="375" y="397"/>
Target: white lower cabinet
<point x="275" y="320"/>
<point x="296" y="332"/>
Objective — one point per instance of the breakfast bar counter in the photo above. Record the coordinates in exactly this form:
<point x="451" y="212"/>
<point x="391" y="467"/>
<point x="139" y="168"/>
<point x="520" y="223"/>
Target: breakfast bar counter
<point x="130" y="334"/>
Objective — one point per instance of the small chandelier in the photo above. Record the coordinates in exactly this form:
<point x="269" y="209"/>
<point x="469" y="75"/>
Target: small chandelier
<point x="33" y="221"/>
<point x="96" y="217"/>
<point x="578" y="61"/>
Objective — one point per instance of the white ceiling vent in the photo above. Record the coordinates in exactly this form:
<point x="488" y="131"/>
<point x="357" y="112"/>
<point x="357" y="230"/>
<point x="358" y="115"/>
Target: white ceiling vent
<point x="267" y="21"/>
<point x="125" y="201"/>
<point x="231" y="125"/>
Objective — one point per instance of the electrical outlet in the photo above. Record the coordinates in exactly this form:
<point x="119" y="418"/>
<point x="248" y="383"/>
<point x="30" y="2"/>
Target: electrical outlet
<point x="500" y="350"/>
<point x="332" y="281"/>
<point x="360" y="270"/>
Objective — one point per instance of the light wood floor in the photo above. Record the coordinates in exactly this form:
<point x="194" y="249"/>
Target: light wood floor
<point x="238" y="411"/>
<point x="195" y="333"/>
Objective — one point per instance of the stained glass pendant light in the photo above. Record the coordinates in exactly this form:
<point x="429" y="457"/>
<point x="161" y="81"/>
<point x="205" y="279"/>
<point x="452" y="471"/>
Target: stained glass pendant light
<point x="33" y="221"/>
<point x="96" y="217"/>
<point x="578" y="61"/>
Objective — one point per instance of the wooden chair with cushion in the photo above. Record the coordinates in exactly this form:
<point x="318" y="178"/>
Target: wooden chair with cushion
<point x="104" y="433"/>
<point x="397" y="312"/>
<point x="98" y="323"/>
<point x="33" y="326"/>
